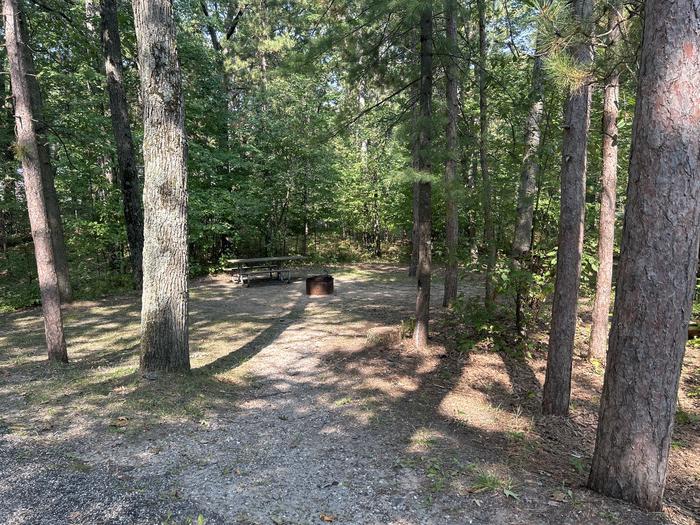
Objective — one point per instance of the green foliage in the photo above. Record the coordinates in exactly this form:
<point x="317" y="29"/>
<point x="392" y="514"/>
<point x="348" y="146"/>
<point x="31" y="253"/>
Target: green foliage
<point x="300" y="133"/>
<point x="477" y="328"/>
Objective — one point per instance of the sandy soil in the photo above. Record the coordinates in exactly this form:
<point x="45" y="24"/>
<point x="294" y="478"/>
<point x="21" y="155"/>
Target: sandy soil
<point x="304" y="411"/>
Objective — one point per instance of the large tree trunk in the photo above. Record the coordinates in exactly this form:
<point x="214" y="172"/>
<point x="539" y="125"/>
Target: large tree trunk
<point x="522" y="240"/>
<point x="487" y="198"/>
<point x="557" y="385"/>
<point x="420" y="335"/>
<point x="658" y="263"/>
<point x="606" y="228"/>
<point x="451" y="186"/>
<point x="127" y="175"/>
<point x="164" y="331"/>
<point x="29" y="140"/>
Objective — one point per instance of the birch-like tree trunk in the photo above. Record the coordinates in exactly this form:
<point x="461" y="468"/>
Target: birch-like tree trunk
<point x="658" y="262"/>
<point x="451" y="163"/>
<point x="30" y="141"/>
<point x="164" y="330"/>
<point x="606" y="226"/>
<point x="420" y="334"/>
<point x="557" y="385"/>
<point x="127" y="175"/>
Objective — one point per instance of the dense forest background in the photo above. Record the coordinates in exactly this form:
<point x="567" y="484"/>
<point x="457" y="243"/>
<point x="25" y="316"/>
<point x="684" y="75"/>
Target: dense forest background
<point x="300" y="120"/>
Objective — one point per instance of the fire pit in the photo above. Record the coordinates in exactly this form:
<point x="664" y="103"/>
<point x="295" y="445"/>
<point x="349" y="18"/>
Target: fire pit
<point x="319" y="285"/>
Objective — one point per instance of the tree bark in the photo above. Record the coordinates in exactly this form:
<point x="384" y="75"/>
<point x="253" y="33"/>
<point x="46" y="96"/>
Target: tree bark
<point x="29" y="146"/>
<point x="420" y="334"/>
<point x="658" y="262"/>
<point x="606" y="227"/>
<point x="522" y="240"/>
<point x="127" y="175"/>
<point x="557" y="385"/>
<point x="487" y="197"/>
<point x="413" y="267"/>
<point x="164" y="330"/>
<point x="60" y="254"/>
<point x="452" y="101"/>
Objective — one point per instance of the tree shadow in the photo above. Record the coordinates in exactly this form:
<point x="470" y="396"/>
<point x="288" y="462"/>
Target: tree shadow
<point x="389" y="406"/>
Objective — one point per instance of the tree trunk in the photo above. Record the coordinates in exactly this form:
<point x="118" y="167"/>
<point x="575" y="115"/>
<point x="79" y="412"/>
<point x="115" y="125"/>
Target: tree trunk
<point x="557" y="385"/>
<point x="658" y="262"/>
<point x="420" y="334"/>
<point x="164" y="331"/>
<point x="487" y="198"/>
<point x="305" y="237"/>
<point x="606" y="227"/>
<point x="29" y="140"/>
<point x="451" y="186"/>
<point x="413" y="267"/>
<point x="53" y="211"/>
<point x="522" y="240"/>
<point x="127" y="175"/>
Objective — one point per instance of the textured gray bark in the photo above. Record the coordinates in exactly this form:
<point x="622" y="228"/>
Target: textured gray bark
<point x="606" y="227"/>
<point x="127" y="175"/>
<point x="451" y="164"/>
<point x="522" y="239"/>
<point x="29" y="144"/>
<point x="420" y="334"/>
<point x="658" y="262"/>
<point x="164" y="330"/>
<point x="557" y="385"/>
<point x="487" y="198"/>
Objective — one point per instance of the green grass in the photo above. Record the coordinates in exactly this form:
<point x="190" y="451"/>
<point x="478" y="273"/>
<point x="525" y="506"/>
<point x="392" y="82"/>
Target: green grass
<point x="489" y="480"/>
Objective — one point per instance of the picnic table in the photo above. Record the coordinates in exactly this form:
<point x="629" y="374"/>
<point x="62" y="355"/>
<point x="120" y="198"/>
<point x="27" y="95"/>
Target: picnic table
<point x="244" y="269"/>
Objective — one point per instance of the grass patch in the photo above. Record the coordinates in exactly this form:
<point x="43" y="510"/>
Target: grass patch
<point x="488" y="480"/>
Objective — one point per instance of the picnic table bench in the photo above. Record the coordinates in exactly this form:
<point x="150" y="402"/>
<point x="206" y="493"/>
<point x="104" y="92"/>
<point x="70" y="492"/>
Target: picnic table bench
<point x="244" y="269"/>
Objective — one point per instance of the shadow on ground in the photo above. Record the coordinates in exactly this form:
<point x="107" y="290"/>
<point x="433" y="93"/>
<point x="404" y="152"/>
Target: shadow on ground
<point x="297" y="407"/>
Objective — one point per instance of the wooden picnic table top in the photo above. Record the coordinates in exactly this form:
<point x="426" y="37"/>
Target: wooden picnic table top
<point x="266" y="259"/>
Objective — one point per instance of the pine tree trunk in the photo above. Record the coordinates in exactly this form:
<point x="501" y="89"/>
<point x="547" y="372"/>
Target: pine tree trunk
<point x="487" y="198"/>
<point x="29" y="140"/>
<point x="60" y="254"/>
<point x="420" y="334"/>
<point x="522" y="241"/>
<point x="164" y="331"/>
<point x="606" y="227"/>
<point x="452" y="219"/>
<point x="557" y="385"/>
<point x="127" y="175"/>
<point x="658" y="262"/>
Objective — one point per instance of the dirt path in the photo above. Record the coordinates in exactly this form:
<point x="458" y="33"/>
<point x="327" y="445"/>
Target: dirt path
<point x="299" y="411"/>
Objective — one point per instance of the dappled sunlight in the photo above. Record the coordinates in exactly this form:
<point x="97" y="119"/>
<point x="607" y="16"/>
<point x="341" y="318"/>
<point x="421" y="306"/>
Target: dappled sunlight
<point x="281" y="380"/>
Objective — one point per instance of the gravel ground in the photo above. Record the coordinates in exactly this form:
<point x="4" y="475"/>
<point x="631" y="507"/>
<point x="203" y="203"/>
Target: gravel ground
<point x="313" y="411"/>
